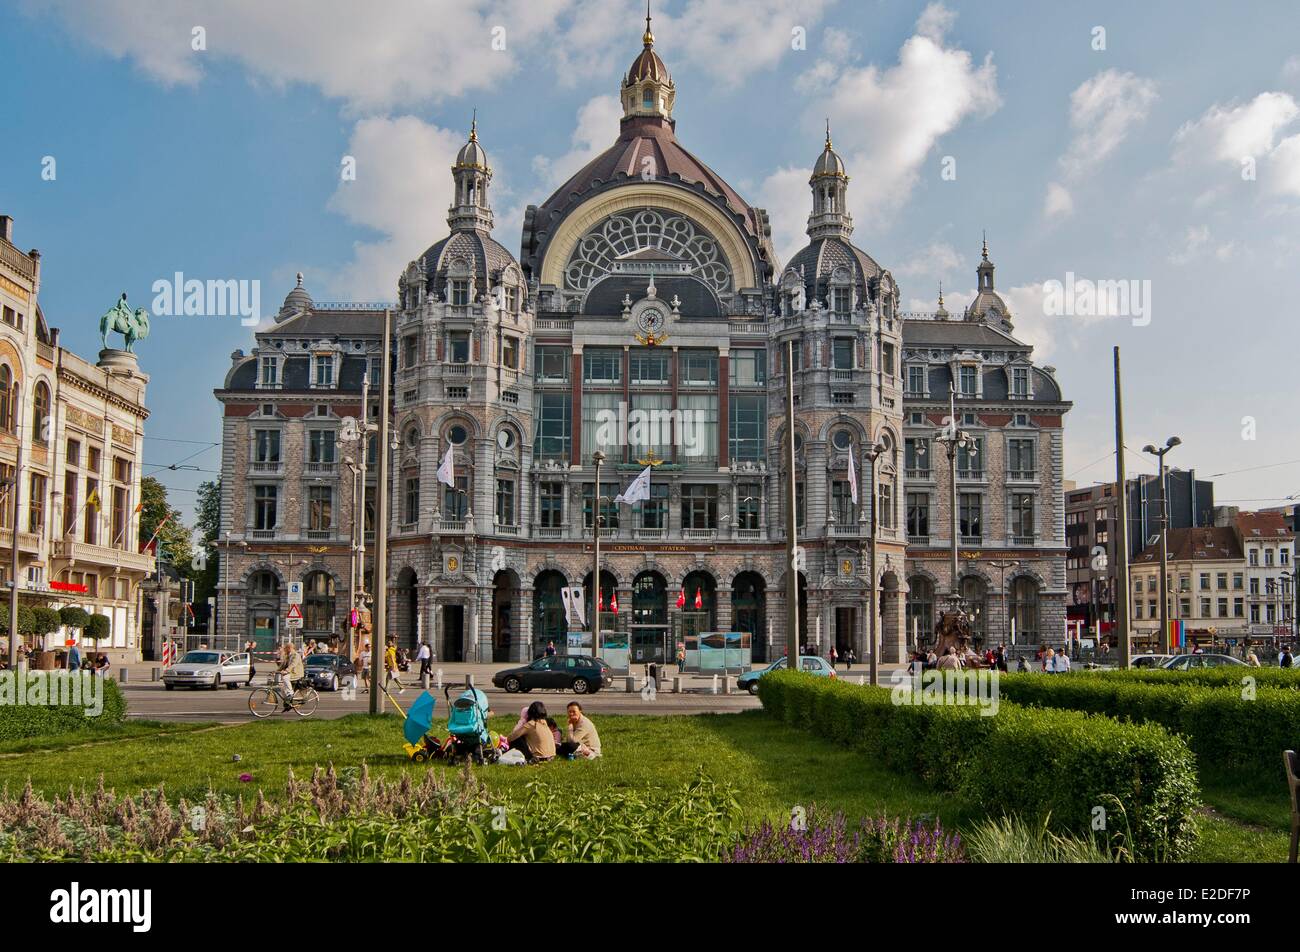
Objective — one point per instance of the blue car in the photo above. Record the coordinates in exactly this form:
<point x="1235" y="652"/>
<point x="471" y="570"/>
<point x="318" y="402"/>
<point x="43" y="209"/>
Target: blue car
<point x="810" y="664"/>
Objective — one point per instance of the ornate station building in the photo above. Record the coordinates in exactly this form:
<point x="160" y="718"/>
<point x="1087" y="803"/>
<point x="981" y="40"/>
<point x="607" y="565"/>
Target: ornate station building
<point x="647" y="318"/>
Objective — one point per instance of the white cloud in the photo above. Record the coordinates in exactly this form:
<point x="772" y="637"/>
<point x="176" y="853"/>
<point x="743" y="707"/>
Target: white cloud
<point x="597" y="128"/>
<point x="394" y="54"/>
<point x="1103" y="110"/>
<point x="933" y="261"/>
<point x="1233" y="132"/>
<point x="886" y="123"/>
<point x="731" y="42"/>
<point x="1284" y="167"/>
<point x="402" y="190"/>
<point x="1058" y="203"/>
<point x="1291" y="69"/>
<point x="1195" y="238"/>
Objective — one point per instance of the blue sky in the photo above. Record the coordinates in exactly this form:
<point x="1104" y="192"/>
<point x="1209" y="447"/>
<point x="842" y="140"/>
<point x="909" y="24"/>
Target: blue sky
<point x="1117" y="163"/>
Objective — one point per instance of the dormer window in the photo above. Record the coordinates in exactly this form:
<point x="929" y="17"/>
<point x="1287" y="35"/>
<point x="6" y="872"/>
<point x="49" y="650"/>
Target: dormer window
<point x="512" y="299"/>
<point x="270" y="372"/>
<point x="458" y="347"/>
<point x="967" y="381"/>
<point x="648" y="97"/>
<point x="323" y="376"/>
<point x="460" y="294"/>
<point x="1020" y="381"/>
<point x="841" y="300"/>
<point x="842" y="353"/>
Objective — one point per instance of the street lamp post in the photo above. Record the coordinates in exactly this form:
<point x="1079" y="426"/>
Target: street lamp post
<point x="873" y="603"/>
<point x="1003" y="565"/>
<point x="953" y="439"/>
<point x="599" y="458"/>
<point x="1162" y="644"/>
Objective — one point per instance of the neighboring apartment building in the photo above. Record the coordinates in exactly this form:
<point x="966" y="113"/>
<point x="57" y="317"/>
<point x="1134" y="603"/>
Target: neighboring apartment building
<point x="1091" y="521"/>
<point x="1207" y="586"/>
<point x="1270" y="573"/>
<point x="81" y="427"/>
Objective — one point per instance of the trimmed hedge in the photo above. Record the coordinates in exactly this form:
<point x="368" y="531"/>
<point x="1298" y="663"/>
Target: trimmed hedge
<point x="1234" y="739"/>
<point x="1204" y="677"/>
<point x="39" y="719"/>
<point x="1032" y="762"/>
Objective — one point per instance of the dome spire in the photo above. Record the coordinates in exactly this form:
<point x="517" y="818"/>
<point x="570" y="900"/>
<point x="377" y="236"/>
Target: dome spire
<point x="648" y="38"/>
<point x="647" y="90"/>
<point x="472" y="175"/>
<point x="473" y="126"/>
<point x="830" y="217"/>
<point x="828" y="133"/>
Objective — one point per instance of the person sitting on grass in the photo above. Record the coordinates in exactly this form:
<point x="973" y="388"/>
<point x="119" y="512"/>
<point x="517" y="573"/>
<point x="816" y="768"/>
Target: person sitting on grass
<point x="582" y="740"/>
<point x="531" y="736"/>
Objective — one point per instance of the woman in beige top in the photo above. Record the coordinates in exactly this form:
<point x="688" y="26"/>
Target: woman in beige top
<point x="532" y="736"/>
<point x="581" y="739"/>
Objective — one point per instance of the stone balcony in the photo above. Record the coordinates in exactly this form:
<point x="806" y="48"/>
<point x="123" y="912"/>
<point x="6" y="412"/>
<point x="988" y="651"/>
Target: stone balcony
<point x="83" y="552"/>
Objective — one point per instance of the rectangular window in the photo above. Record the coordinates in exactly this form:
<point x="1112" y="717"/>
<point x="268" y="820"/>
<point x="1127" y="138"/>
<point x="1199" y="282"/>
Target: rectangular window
<point x="885" y="509"/>
<point x="916" y="457"/>
<point x="600" y="425"/>
<point x="411" y="500"/>
<point x="971" y="517"/>
<point x="266" y="446"/>
<point x="1254" y="586"/>
<point x="554" y="425"/>
<point x="374" y="367"/>
<point x="1205" y="581"/>
<point x="94" y="459"/>
<point x="1268" y="556"/>
<point x="73" y="453"/>
<point x="1020" y="382"/>
<point x="410" y="351"/>
<point x="551" y="364"/>
<point x="967" y="380"/>
<point x="324" y="370"/>
<point x="121" y="469"/>
<point x="270" y="371"/>
<point x="368" y="516"/>
<point x="748" y="505"/>
<point x="1238" y="608"/>
<point x="699" y="506"/>
<point x="551" y="505"/>
<point x="608" y="508"/>
<point x="970" y="458"/>
<point x="602" y="366"/>
<point x="748" y="368"/>
<point x="70" y="508"/>
<point x="1221" y="581"/>
<point x="747" y="427"/>
<point x="1021" y="459"/>
<point x="320" y="512"/>
<point x="842" y="353"/>
<point x="36" y="505"/>
<point x="1223" y="608"/>
<point x="650" y="425"/>
<point x="843" y="507"/>
<point x="505" y="502"/>
<point x="510" y="353"/>
<point x="842" y="300"/>
<point x="93" y="504"/>
<point x="918" y="516"/>
<point x="1238" y="580"/>
<point x="698" y="368"/>
<point x="119" y="517"/>
<point x="321" y="445"/>
<point x="698" y="414"/>
<point x="1253" y="557"/>
<point x="264" y="507"/>
<point x="800" y="507"/>
<point x="649" y="367"/>
<point x="460" y="294"/>
<point x="458" y="347"/>
<point x="1022" y="517"/>
<point x="916" y="381"/>
<point x="1205" y="608"/>
<point x="455" y="499"/>
<point x="654" y="511"/>
<point x="887" y="359"/>
<point x="798" y="355"/>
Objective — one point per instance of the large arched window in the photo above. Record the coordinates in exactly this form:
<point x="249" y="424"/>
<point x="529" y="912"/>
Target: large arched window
<point x="1024" y="609"/>
<point x="974" y="594"/>
<point x="549" y="623"/>
<point x="6" y="398"/>
<point x="920" y="609"/>
<point x="318" y="602"/>
<point x="41" y="413"/>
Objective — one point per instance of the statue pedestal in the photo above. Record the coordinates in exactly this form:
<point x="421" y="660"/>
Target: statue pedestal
<point x="119" y="362"/>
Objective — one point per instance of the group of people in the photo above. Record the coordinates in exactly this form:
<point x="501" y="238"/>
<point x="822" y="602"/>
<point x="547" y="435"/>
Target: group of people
<point x="537" y="736"/>
<point x="73" y="661"/>
<point x="953" y="660"/>
<point x="847" y="656"/>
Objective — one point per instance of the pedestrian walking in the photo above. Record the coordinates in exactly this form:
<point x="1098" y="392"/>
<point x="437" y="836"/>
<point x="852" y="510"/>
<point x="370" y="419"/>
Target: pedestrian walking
<point x="362" y="665"/>
<point x="681" y="658"/>
<point x="1286" y="659"/>
<point x="425" y="657"/>
<point x="74" y="658"/>
<point x="390" y="667"/>
<point x="834" y="657"/>
<point x="850" y="657"/>
<point x="550" y="649"/>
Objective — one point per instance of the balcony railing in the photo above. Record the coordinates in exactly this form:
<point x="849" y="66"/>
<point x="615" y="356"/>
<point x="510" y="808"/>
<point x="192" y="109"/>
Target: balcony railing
<point x="101" y="555"/>
<point x="263" y="533"/>
<point x="266" y="466"/>
<point x="1022" y="540"/>
<point x="841" y="374"/>
<point x="320" y="535"/>
<point x="550" y="532"/>
<point x="507" y="530"/>
<point x="972" y="539"/>
<point x="1022" y="475"/>
<point x="849" y="530"/>
<point x="916" y="474"/>
<point x="970" y="474"/>
<point x="452" y="525"/>
<point x="699" y="534"/>
<point x="752" y="535"/>
<point x="645" y="533"/>
<point x="321" y="469"/>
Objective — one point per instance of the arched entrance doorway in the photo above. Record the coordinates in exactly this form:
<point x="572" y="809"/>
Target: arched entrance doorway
<point x="262" y="595"/>
<point x="549" y="624"/>
<point x="610" y="635"/>
<point x="974" y="594"/>
<point x="748" y="610"/>
<point x="1024" y="610"/>
<point x="920" y="610"/>
<point x="318" y="606"/>
<point x="505" y="588"/>
<point x="648" y="629"/>
<point x="699" y="610"/>
<point x="406" y="605"/>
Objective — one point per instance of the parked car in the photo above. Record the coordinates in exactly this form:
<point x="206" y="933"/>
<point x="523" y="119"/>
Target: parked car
<point x="1185" y="662"/>
<point x="582" y="674"/>
<point x="1148" y="660"/>
<point x="809" y="663"/>
<point x="327" y="671"/>
<point x="209" y="669"/>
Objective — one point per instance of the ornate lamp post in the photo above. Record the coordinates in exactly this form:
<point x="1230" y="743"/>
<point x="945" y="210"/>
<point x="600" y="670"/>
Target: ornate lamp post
<point x="873" y="605"/>
<point x="599" y="458"/>
<point x="1162" y="642"/>
<point x="953" y="439"/>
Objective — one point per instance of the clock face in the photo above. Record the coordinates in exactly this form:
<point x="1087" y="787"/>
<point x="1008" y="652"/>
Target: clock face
<point x="651" y="320"/>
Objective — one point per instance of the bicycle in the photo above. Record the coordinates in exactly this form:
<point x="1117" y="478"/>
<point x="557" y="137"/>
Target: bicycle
<point x="270" y="699"/>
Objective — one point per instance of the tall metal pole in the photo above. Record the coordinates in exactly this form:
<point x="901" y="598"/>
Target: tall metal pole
<point x="791" y="522"/>
<point x="364" y="462"/>
<point x="13" y="552"/>
<point x="1162" y="644"/>
<point x="352" y="556"/>
<point x="225" y="591"/>
<point x="599" y="457"/>
<point x="1122" y="550"/>
<point x="874" y="670"/>
<point x="952" y="481"/>
<point x="379" y="634"/>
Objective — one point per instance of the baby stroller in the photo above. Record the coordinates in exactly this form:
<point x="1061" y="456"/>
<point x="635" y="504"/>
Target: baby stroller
<point x="467" y="727"/>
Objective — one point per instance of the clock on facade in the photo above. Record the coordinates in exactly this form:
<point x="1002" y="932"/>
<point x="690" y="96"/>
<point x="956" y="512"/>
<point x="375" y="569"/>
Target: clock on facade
<point x="651" y="320"/>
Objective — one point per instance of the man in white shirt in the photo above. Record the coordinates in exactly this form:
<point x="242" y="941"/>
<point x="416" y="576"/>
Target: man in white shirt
<point x="1062" y="663"/>
<point x="425" y="657"/>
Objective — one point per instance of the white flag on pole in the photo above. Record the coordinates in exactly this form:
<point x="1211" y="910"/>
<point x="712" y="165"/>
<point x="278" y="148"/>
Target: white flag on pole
<point x="637" y="490"/>
<point x="853" y="478"/>
<point x="447" y="469"/>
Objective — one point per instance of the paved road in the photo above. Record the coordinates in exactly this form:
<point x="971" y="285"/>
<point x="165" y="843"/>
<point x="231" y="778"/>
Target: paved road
<point x="150" y="701"/>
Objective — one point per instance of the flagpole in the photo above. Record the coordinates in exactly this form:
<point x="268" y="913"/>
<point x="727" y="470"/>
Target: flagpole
<point x="379" y="631"/>
<point x="599" y="457"/>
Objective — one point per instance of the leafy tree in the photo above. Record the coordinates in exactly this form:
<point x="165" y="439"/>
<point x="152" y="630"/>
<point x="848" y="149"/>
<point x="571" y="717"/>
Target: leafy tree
<point x="70" y="615"/>
<point x="26" y="619"/>
<point x="207" y="527"/>
<point x="45" y="620"/>
<point x="97" y="627"/>
<point x="174" y="536"/>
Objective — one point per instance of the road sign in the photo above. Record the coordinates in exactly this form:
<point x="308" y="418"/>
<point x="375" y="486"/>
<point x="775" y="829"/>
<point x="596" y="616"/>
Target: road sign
<point x="295" y="595"/>
<point x="294" y="619"/>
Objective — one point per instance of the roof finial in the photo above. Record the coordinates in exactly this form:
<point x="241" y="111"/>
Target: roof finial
<point x="299" y="281"/>
<point x="985" y="253"/>
<point x="473" y="127"/>
<point x="941" y="295"/>
<point x="649" y="38"/>
<point x="828" y="132"/>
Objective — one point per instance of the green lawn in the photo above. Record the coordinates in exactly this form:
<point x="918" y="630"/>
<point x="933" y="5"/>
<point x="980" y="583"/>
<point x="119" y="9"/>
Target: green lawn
<point x="775" y="769"/>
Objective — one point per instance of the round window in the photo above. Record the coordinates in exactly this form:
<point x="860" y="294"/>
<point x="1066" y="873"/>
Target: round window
<point x="798" y="443"/>
<point x="505" y="439"/>
<point x="456" y="435"/>
<point x="842" y="439"/>
<point x="412" y="437"/>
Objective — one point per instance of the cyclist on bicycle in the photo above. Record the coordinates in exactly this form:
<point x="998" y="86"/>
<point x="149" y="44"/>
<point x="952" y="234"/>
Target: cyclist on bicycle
<point x="290" y="670"/>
